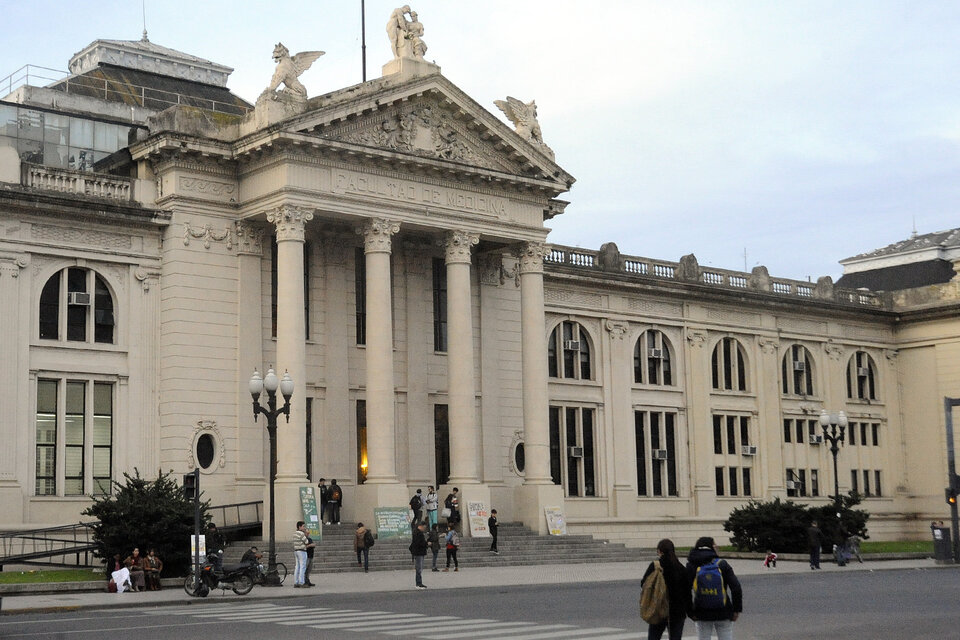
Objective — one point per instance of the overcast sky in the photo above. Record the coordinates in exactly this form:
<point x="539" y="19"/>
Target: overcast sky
<point x="800" y="132"/>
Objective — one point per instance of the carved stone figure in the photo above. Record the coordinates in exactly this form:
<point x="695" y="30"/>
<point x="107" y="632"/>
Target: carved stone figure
<point x="289" y="68"/>
<point x="523" y="115"/>
<point x="406" y="36"/>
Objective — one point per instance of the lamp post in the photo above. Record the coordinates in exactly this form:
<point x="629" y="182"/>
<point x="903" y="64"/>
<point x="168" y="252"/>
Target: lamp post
<point x="833" y="421"/>
<point x="270" y="383"/>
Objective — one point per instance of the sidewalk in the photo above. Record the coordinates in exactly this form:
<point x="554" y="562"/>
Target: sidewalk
<point x="341" y="583"/>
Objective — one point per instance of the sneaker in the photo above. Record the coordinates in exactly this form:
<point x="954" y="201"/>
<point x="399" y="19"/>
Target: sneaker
<point x="326" y="523"/>
<point x="421" y="586"/>
<point x="435" y="569"/>
<point x="456" y="569"/>
<point x="297" y="586"/>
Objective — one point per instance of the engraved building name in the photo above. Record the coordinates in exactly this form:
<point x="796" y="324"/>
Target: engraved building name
<point x="415" y="193"/>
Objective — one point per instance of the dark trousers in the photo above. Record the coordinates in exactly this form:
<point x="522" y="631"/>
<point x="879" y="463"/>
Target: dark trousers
<point x="675" y="626"/>
<point x="436" y="552"/>
<point x="306" y="573"/>
<point x="417" y="516"/>
<point x="493" y="545"/>
<point x="366" y="557"/>
<point x="418" y="567"/>
<point x="815" y="557"/>
<point x="333" y="508"/>
<point x="452" y="553"/>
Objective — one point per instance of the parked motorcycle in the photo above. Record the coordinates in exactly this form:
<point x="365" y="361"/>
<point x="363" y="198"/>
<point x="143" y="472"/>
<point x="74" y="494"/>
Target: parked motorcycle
<point x="238" y="577"/>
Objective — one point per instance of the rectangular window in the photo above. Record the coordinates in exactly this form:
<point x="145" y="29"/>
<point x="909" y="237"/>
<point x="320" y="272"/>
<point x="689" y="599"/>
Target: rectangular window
<point x="656" y="453"/>
<point x="308" y="440"/>
<point x="638" y="431"/>
<point x="718" y="472"/>
<point x="102" y="437"/>
<point x="439" y="305"/>
<point x="787" y="430"/>
<point x="863" y="433"/>
<point x="791" y="483"/>
<point x="812" y="429"/>
<point x="441" y="442"/>
<point x="876" y="484"/>
<point x="731" y="434"/>
<point x="671" y="463"/>
<point x="802" y="482"/>
<point x="555" y="458"/>
<point x="589" y="475"/>
<point x="876" y="434"/>
<point x="46" y="467"/>
<point x="718" y="434"/>
<point x="73" y="432"/>
<point x="360" y="290"/>
<point x="866" y="483"/>
<point x="656" y="463"/>
<point x="732" y="472"/>
<point x="573" y="466"/>
<point x="572" y="450"/>
<point x="854" y="484"/>
<point x="852" y="433"/>
<point x="814" y="483"/>
<point x="799" y="431"/>
<point x="744" y="431"/>
<point x="361" y="441"/>
<point x="77" y="314"/>
<point x="747" y="488"/>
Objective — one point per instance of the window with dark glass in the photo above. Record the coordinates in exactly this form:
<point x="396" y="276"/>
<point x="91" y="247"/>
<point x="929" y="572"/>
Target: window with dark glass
<point x="439" y="304"/>
<point x="719" y="473"/>
<point x="568" y="352"/>
<point x="572" y="454"/>
<point x="46" y="467"/>
<point x="728" y="365"/>
<point x="76" y="305"/>
<point x="308" y="444"/>
<point x="441" y="442"/>
<point x="360" y="290"/>
<point x="797" y="373"/>
<point x="861" y="378"/>
<point x="205" y="450"/>
<point x="656" y="453"/>
<point x="102" y="437"/>
<point x="652" y="359"/>
<point x="361" y="441"/>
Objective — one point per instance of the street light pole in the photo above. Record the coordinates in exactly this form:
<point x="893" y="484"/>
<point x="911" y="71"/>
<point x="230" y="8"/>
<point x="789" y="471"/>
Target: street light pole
<point x="270" y="383"/>
<point x="833" y="421"/>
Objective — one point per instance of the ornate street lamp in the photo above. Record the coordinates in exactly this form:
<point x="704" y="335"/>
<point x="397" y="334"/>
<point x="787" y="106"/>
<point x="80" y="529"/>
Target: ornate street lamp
<point x="270" y="383"/>
<point x="833" y="421"/>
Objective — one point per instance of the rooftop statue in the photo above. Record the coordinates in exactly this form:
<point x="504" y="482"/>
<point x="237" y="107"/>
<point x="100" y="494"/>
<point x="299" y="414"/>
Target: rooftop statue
<point x="288" y="70"/>
<point x="523" y="115"/>
<point x="406" y="36"/>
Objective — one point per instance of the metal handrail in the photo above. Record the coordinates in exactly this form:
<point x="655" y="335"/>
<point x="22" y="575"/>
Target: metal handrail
<point x="49" y="542"/>
<point x="237" y="512"/>
<point x="13" y="81"/>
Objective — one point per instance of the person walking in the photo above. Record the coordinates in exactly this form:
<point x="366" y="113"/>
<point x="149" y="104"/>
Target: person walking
<point x="432" y="502"/>
<point x="334" y="502"/>
<point x="322" y="489"/>
<point x="814" y="543"/>
<point x="416" y="505"/>
<point x="300" y="541"/>
<point x="713" y="608"/>
<point x="360" y="546"/>
<point x="492" y="525"/>
<point x="433" y="541"/>
<point x="678" y="591"/>
<point x="453" y="544"/>
<point x="418" y="549"/>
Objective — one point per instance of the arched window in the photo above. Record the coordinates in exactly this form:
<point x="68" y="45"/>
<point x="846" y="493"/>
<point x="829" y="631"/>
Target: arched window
<point x="861" y="377"/>
<point x="76" y="305"/>
<point x="797" y="371"/>
<point x="729" y="366"/>
<point x="568" y="352"/>
<point x="652" y="363"/>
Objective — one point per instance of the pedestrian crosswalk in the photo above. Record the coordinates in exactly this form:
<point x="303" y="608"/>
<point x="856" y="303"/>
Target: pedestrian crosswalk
<point x="399" y="625"/>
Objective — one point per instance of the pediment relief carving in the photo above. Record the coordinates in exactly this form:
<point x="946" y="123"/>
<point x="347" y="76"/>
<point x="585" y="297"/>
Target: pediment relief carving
<point x="423" y="128"/>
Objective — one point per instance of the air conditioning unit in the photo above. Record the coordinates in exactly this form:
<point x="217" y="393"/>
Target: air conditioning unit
<point x="575" y="452"/>
<point x="816" y="439"/>
<point x="748" y="450"/>
<point x="863" y="372"/>
<point x="659" y="454"/>
<point x="655" y="353"/>
<point x="571" y="345"/>
<point x="799" y="365"/>
<point x="791" y="485"/>
<point x="78" y="298"/>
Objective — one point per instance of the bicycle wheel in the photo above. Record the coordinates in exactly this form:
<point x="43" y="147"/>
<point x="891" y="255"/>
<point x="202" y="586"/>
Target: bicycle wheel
<point x="242" y="584"/>
<point x="189" y="586"/>
<point x="282" y="571"/>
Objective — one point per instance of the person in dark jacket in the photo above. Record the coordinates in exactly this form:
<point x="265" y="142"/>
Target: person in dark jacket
<point x="678" y="592"/>
<point x="814" y="543"/>
<point x="418" y="549"/>
<point x="720" y="619"/>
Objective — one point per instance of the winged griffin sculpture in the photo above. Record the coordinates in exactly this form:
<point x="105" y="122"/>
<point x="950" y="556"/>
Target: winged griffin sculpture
<point x="289" y="68"/>
<point x="523" y="115"/>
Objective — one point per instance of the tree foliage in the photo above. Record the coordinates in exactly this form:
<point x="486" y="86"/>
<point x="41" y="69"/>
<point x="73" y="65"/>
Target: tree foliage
<point x="146" y="514"/>
<point x="782" y="525"/>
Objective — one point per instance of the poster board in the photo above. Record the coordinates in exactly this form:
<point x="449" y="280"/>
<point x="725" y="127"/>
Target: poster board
<point x="392" y="522"/>
<point x="478" y="514"/>
<point x="556" y="523"/>
<point x="311" y="515"/>
<point x="200" y="540"/>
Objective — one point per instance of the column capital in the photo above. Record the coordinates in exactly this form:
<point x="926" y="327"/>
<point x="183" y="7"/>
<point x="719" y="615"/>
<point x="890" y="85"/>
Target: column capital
<point x="378" y="235"/>
<point x="249" y="238"/>
<point x="457" y="245"/>
<point x="531" y="257"/>
<point x="11" y="265"/>
<point x="290" y="221"/>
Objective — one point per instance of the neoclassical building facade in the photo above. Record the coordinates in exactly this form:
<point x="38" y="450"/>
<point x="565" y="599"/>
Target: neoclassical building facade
<point x="386" y="245"/>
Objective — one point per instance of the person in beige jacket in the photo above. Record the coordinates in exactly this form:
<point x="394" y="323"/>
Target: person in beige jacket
<point x="361" y="547"/>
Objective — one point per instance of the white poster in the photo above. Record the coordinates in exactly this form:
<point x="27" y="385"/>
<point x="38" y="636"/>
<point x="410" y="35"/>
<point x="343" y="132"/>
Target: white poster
<point x="203" y="549"/>
<point x="478" y="519"/>
<point x="556" y="523"/>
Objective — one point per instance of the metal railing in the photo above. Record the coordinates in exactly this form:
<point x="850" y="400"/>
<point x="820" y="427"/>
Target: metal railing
<point x="45" y="546"/>
<point x="30" y="75"/>
<point x="237" y="517"/>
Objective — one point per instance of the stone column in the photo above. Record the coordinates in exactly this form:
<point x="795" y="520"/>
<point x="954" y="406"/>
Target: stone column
<point x="461" y="392"/>
<point x="382" y="487"/>
<point x="538" y="490"/>
<point x="291" y="356"/>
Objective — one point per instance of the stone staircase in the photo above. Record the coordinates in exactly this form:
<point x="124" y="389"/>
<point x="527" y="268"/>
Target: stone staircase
<point x="518" y="545"/>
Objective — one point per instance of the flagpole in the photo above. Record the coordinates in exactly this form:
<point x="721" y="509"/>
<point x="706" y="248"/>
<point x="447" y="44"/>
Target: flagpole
<point x="363" y="38"/>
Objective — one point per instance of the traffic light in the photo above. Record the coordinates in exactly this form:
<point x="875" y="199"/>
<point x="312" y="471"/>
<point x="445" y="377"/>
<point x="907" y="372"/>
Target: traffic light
<point x="190" y="482"/>
<point x="951" y="495"/>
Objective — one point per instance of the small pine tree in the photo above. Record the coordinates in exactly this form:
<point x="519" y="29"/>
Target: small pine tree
<point x="146" y="514"/>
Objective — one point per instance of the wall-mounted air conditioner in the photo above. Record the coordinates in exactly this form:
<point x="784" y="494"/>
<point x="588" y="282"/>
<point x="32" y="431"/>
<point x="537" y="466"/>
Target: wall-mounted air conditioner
<point x="748" y="450"/>
<point x="571" y="345"/>
<point x="78" y="298"/>
<point x="575" y="452"/>
<point x="659" y="454"/>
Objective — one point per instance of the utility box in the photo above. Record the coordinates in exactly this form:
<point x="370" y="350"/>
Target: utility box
<point x="942" y="551"/>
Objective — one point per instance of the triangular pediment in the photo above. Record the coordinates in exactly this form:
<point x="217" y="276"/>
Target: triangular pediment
<point x="427" y="118"/>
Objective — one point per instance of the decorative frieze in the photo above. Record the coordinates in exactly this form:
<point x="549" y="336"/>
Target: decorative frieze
<point x="378" y="235"/>
<point x="290" y="222"/>
<point x="249" y="238"/>
<point x="76" y="236"/>
<point x="207" y="234"/>
<point x="202" y="186"/>
<point x="457" y="246"/>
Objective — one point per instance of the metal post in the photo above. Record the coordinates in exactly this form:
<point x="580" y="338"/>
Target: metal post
<point x="948" y="404"/>
<point x="272" y="578"/>
<point x="834" y="439"/>
<point x="196" y="532"/>
<point x="363" y="38"/>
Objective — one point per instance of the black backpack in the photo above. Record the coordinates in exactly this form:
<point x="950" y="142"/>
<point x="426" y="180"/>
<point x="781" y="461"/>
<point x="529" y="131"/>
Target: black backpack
<point x="334" y="494"/>
<point x="368" y="540"/>
<point x="415" y="502"/>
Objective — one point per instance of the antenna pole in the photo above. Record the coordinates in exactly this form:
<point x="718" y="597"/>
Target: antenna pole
<point x="363" y="38"/>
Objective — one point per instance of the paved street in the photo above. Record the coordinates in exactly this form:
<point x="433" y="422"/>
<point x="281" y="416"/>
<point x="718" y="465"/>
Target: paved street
<point x="784" y="603"/>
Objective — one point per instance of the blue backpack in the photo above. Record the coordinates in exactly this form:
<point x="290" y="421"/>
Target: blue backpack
<point x="709" y="592"/>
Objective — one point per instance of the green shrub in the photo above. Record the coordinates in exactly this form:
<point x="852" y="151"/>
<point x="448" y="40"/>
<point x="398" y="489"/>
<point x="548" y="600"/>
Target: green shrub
<point x="782" y="525"/>
<point x="146" y="514"/>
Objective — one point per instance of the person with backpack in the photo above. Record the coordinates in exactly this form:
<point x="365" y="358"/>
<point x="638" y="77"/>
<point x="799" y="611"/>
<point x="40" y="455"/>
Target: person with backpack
<point x="362" y="541"/>
<point x="433" y="542"/>
<point x="717" y="596"/>
<point x="453" y="543"/>
<point x="452" y="505"/>
<point x="322" y="489"/>
<point x="334" y="502"/>
<point x="675" y="590"/>
<point x="416" y="505"/>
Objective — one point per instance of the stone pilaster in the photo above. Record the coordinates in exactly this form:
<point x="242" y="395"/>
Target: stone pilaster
<point x="538" y="490"/>
<point x="290" y="223"/>
<point x="461" y="393"/>
<point x="623" y="501"/>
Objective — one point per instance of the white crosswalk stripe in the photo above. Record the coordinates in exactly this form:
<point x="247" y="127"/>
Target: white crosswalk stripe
<point x="389" y="623"/>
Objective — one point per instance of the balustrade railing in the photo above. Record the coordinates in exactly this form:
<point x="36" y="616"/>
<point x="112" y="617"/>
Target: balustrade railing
<point x="98" y="185"/>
